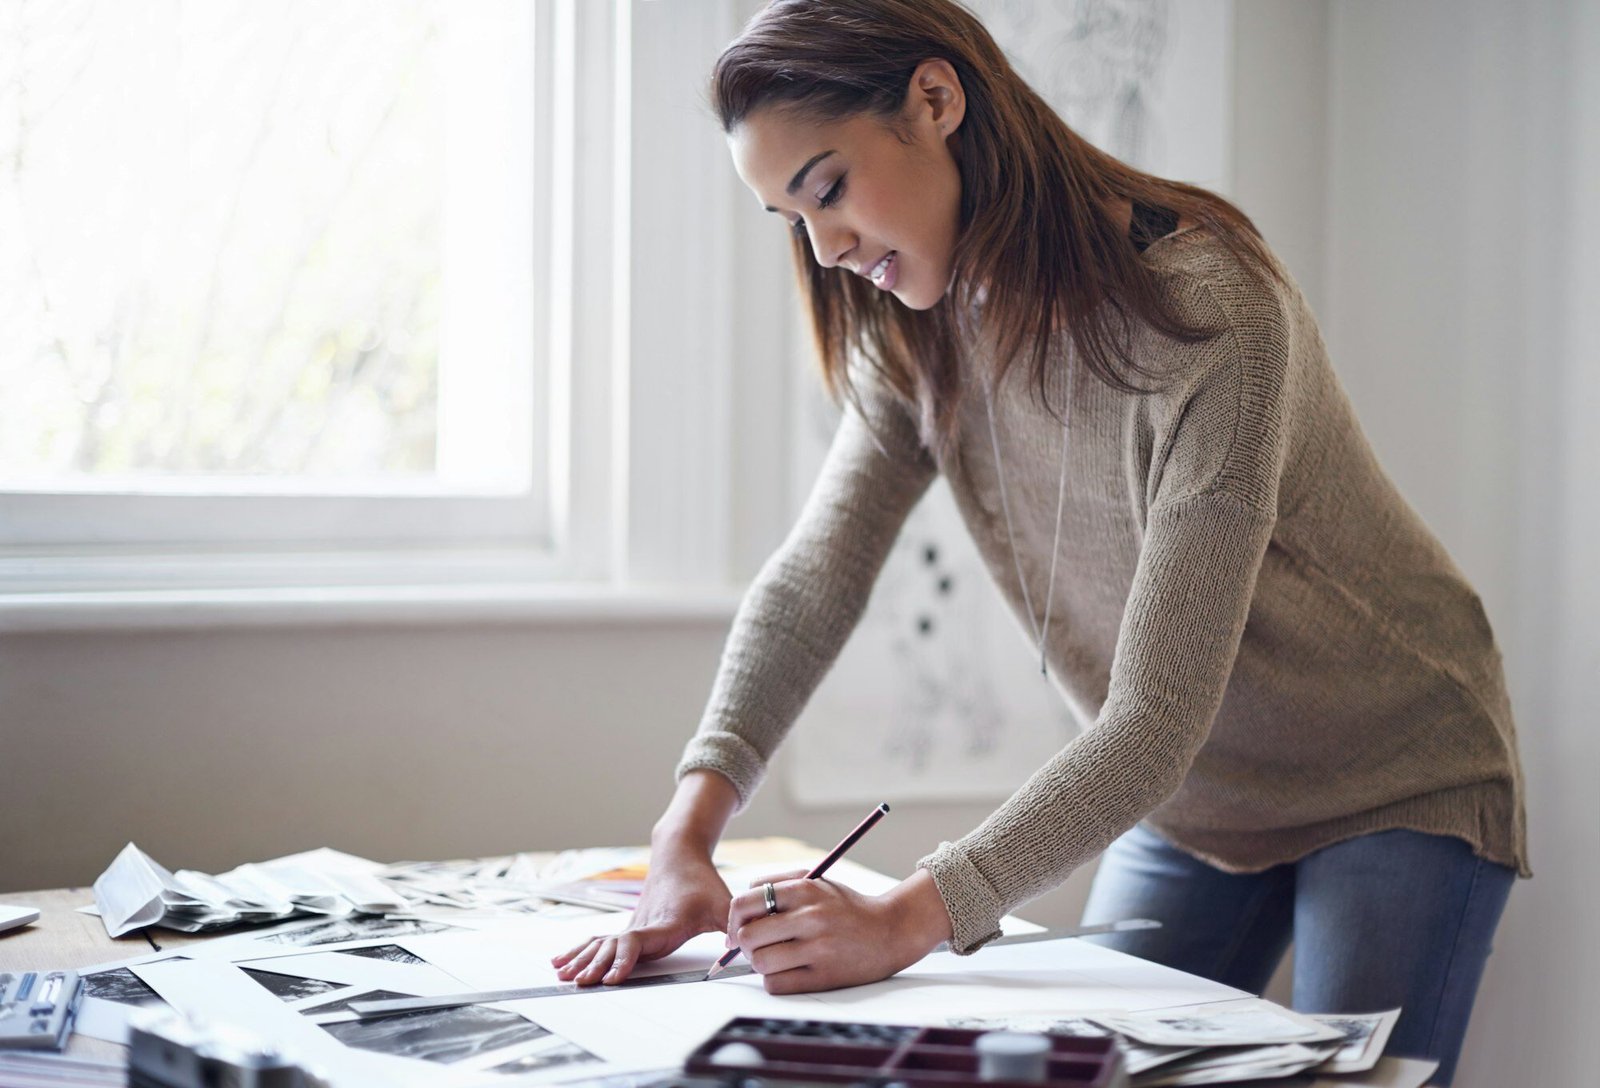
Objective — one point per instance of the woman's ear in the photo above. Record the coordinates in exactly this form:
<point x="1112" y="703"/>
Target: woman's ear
<point x="936" y="97"/>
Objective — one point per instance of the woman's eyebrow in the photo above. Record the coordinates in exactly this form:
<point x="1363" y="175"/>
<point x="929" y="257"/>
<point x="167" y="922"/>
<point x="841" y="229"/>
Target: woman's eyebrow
<point x="800" y="175"/>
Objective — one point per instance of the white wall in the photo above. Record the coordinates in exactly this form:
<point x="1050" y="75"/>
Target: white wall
<point x="1405" y="159"/>
<point x="1461" y="154"/>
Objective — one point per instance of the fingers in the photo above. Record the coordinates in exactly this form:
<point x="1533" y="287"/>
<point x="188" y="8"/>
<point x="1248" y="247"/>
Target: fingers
<point x="792" y="874"/>
<point x="799" y="980"/>
<point x="605" y="953"/>
<point x="788" y="926"/>
<point x="629" y="946"/>
<point x="777" y="956"/>
<point x="566" y="957"/>
<point x="580" y="959"/>
<point x="749" y="906"/>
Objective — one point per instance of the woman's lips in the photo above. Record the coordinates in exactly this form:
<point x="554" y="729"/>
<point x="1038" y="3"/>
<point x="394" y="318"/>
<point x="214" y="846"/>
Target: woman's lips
<point x="890" y="265"/>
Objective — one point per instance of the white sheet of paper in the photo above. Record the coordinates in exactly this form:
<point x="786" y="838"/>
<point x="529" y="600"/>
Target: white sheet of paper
<point x="129" y="892"/>
<point x="1362" y="1053"/>
<point x="103" y="1018"/>
<point x="1057" y="976"/>
<point x="660" y="1025"/>
<point x="1243" y="1023"/>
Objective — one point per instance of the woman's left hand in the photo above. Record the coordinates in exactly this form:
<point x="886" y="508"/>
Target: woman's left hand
<point x="824" y="936"/>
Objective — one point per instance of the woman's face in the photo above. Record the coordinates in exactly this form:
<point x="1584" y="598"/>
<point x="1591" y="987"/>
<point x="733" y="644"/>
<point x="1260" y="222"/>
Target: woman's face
<point x="859" y="194"/>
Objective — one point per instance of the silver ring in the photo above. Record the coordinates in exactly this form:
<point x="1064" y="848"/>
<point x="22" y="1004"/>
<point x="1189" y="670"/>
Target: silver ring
<point x="772" y="898"/>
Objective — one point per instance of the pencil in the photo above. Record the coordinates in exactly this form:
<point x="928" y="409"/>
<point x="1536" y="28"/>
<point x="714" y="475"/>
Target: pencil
<point x="821" y="867"/>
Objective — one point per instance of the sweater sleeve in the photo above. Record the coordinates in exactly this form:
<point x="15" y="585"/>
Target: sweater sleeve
<point x="1211" y="515"/>
<point x="809" y="595"/>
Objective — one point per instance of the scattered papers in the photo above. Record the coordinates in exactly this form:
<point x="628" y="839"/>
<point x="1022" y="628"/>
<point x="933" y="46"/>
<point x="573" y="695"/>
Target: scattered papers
<point x="360" y="930"/>
<point x="1258" y="1022"/>
<point x="1230" y="1065"/>
<point x="129" y="895"/>
<point x="612" y="880"/>
<point x="137" y="891"/>
<point x="1365" y="1036"/>
<point x="1245" y="1040"/>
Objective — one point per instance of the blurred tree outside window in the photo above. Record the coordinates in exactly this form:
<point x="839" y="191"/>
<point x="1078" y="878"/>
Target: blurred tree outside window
<point x="250" y="247"/>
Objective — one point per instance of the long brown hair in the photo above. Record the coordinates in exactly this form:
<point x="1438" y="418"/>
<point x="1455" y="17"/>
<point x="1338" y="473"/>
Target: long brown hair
<point x="1035" y="236"/>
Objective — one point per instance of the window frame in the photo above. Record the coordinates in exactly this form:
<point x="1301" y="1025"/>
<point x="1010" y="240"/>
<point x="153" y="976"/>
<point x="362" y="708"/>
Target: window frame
<point x="639" y="384"/>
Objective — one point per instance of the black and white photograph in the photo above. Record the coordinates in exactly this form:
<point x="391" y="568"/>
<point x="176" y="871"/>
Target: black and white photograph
<point x="1243" y="1023"/>
<point x="290" y="988"/>
<point x="558" y="1053"/>
<point x="1365" y="1037"/>
<point x="359" y="927"/>
<point x="120" y="985"/>
<point x="444" y="1035"/>
<point x="392" y="953"/>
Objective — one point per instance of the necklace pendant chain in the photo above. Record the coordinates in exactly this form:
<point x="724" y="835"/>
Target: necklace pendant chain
<point x="1041" y="630"/>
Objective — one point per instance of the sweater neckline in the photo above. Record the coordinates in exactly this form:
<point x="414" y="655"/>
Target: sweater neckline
<point x="1190" y="229"/>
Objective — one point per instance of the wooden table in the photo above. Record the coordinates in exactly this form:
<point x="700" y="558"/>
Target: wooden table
<point x="64" y="938"/>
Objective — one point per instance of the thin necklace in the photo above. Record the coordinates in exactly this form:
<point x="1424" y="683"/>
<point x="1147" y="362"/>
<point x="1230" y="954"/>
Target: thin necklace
<point x="1040" y="631"/>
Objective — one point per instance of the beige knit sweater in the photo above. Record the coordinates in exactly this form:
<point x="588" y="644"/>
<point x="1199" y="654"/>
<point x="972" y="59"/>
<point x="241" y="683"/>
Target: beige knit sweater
<point x="1276" y="652"/>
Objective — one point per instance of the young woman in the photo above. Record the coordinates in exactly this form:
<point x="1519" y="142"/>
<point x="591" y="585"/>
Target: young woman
<point x="1300" y="729"/>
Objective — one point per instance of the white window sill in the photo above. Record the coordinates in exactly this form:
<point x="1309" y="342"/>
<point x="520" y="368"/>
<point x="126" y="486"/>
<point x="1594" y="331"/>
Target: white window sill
<point x="280" y="606"/>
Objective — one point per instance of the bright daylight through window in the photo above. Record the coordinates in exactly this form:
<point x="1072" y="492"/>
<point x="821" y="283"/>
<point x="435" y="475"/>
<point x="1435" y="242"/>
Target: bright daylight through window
<point x="268" y="251"/>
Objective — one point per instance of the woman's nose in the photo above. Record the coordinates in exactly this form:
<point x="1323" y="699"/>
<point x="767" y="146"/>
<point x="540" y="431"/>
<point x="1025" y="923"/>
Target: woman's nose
<point x="831" y="247"/>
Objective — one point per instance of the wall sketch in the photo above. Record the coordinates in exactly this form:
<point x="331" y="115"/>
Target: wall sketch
<point x="938" y="695"/>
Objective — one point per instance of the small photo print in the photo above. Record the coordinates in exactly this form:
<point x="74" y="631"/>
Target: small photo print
<point x="120" y="985"/>
<point x="439" y="1035"/>
<point x="358" y="927"/>
<point x="559" y="1053"/>
<point x="1357" y="1030"/>
<point x="391" y="952"/>
<point x="290" y="987"/>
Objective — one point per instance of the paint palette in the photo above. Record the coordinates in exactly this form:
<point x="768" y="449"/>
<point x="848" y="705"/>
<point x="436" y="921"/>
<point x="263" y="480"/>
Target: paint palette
<point x="886" y="1056"/>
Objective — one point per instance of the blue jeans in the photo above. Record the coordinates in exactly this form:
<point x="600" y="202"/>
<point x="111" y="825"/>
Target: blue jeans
<point x="1391" y="919"/>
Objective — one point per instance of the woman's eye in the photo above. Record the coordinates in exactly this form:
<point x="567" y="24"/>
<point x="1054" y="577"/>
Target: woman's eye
<point x="828" y="200"/>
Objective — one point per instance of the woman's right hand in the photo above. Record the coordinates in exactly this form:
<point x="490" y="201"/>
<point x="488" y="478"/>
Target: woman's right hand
<point x="683" y="897"/>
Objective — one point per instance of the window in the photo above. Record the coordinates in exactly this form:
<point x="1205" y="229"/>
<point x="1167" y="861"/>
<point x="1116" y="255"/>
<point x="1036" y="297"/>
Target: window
<point x="362" y="291"/>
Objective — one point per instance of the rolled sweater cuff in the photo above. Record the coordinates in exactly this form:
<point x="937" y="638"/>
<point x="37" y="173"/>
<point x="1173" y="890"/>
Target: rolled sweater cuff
<point x="730" y="756"/>
<point x="971" y="901"/>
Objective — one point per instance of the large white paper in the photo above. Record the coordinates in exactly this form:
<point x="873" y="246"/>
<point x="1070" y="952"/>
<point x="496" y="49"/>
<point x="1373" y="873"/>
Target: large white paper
<point x="665" y="1022"/>
<point x="441" y="1047"/>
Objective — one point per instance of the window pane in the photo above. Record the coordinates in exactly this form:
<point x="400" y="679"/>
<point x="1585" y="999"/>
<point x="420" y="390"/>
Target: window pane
<point x="225" y="225"/>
